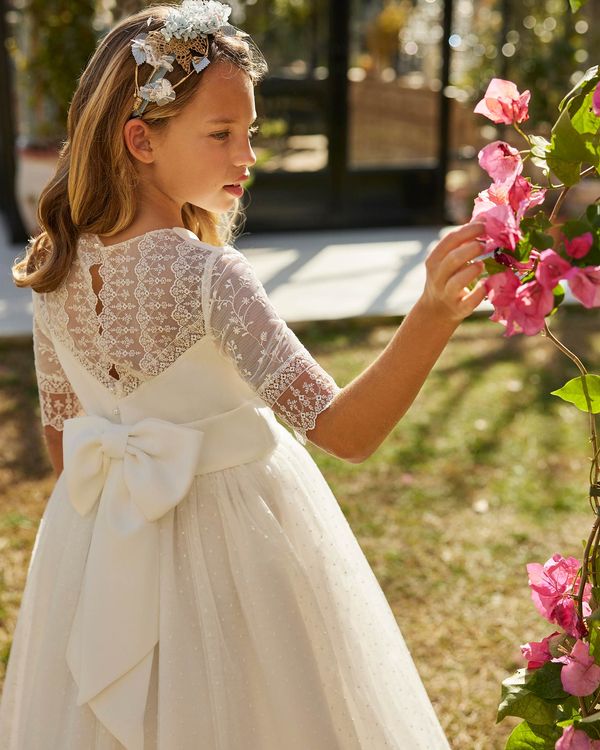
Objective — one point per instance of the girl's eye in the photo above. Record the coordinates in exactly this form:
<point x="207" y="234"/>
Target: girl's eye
<point x="223" y="135"/>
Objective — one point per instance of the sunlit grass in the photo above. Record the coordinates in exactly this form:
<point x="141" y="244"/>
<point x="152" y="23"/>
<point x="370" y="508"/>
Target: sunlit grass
<point x="485" y="473"/>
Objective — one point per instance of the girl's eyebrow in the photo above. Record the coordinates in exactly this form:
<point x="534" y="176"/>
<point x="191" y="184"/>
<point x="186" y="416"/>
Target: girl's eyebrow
<point x="224" y="120"/>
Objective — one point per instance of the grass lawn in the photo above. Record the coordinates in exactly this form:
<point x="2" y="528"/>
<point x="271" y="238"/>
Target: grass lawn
<point x="485" y="473"/>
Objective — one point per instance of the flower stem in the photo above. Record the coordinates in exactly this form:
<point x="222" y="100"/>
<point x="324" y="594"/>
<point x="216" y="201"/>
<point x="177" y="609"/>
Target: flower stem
<point x="588" y="564"/>
<point x="595" y="470"/>
<point x="518" y="129"/>
<point x="559" y="203"/>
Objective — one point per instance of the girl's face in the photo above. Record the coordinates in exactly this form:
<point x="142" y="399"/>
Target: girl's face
<point x="207" y="146"/>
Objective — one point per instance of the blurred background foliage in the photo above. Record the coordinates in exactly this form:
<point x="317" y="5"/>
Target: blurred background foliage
<point x="539" y="44"/>
<point x="394" y="88"/>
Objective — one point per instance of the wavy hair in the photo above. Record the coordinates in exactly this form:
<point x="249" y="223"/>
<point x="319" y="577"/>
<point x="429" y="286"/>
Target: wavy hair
<point x="94" y="187"/>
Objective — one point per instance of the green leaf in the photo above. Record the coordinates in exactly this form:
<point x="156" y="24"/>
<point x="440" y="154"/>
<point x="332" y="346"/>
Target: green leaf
<point x="583" y="119"/>
<point x="534" y="235"/>
<point x="520" y="702"/>
<point x="533" y="694"/>
<point x="593" y="623"/>
<point x="526" y="736"/>
<point x="567" y="172"/>
<point x="539" y="149"/>
<point x="492" y="266"/>
<point x="573" y="392"/>
<point x="540" y="145"/>
<point x="593" y="214"/>
<point x="576" y="4"/>
<point x="541" y="241"/>
<point x="559" y="296"/>
<point x="568" y="149"/>
<point x="588" y="80"/>
<point x="545" y="682"/>
<point x="575" y="228"/>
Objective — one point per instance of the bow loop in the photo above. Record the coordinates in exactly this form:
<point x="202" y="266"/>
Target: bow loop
<point x="134" y="474"/>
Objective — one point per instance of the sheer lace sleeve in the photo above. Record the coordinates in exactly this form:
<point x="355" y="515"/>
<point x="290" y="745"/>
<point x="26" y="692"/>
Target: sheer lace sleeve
<point x="57" y="399"/>
<point x="265" y="351"/>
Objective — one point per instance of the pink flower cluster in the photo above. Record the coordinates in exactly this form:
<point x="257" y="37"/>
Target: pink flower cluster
<point x="502" y="206"/>
<point x="522" y="307"/>
<point x="553" y="588"/>
<point x="552" y="592"/>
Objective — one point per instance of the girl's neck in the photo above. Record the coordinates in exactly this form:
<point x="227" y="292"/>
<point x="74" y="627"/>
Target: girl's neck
<point x="141" y="224"/>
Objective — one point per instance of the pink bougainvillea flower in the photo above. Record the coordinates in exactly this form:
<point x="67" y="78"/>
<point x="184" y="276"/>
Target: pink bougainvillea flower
<point x="552" y="590"/>
<point x="551" y="268"/>
<point x="580" y="246"/>
<point x="596" y="101"/>
<point x="538" y="653"/>
<point x="532" y="303"/>
<point x="501" y="226"/>
<point x="501" y="161"/>
<point x="502" y="103"/>
<point x="580" y="674"/>
<point x="585" y="285"/>
<point x="576" y="739"/>
<point x="520" y="307"/>
<point x="501" y="289"/>
<point x="522" y="197"/>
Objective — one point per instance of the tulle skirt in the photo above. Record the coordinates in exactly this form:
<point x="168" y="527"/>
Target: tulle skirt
<point x="274" y="632"/>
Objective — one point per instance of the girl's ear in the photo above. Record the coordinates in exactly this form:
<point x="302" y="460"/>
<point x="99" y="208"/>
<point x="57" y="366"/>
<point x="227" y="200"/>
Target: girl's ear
<point x="138" y="140"/>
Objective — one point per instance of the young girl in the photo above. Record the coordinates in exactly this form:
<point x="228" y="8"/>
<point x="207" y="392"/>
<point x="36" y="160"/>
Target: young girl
<point x="194" y="583"/>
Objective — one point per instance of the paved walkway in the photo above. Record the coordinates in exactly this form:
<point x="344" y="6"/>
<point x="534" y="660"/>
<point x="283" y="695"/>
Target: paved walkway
<point x="309" y="276"/>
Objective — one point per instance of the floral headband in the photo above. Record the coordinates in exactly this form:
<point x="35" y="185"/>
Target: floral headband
<point x="182" y="38"/>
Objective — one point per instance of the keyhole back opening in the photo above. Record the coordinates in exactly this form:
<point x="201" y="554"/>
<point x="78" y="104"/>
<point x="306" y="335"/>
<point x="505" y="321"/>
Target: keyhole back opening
<point x="97" y="287"/>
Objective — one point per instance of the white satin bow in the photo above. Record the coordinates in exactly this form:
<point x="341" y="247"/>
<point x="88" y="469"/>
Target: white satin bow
<point x="137" y="473"/>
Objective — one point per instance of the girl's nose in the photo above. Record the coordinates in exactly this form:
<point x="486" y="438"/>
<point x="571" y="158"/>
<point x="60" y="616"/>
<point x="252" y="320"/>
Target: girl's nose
<point x="247" y="157"/>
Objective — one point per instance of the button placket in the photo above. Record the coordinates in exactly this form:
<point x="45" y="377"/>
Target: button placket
<point x="115" y="390"/>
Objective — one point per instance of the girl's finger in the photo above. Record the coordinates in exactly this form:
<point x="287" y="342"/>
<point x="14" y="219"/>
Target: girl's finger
<point x="459" y="257"/>
<point x="474" y="297"/>
<point x="461" y="278"/>
<point x="455" y="238"/>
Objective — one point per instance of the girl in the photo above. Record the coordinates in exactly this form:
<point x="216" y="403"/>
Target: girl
<point x="194" y="583"/>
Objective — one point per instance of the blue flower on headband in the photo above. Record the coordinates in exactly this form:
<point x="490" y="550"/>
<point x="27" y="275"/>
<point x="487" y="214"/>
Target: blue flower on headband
<point x="144" y="52"/>
<point x="194" y="17"/>
<point x="160" y="92"/>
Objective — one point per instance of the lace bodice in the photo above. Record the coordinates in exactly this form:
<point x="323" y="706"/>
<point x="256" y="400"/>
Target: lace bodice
<point x="127" y="312"/>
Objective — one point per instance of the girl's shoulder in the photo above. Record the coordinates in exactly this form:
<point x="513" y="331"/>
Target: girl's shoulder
<point x="189" y="236"/>
<point x="166" y="242"/>
<point x="155" y="239"/>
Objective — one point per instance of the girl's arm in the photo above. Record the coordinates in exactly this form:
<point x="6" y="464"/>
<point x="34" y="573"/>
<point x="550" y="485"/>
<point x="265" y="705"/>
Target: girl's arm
<point x="54" y="443"/>
<point x="365" y="411"/>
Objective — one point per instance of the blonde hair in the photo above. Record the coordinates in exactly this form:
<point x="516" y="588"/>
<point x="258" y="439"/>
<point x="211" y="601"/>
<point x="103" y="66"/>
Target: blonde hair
<point x="93" y="188"/>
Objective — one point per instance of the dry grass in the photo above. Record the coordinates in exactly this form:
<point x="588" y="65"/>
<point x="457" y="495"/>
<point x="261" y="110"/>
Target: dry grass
<point x="486" y="473"/>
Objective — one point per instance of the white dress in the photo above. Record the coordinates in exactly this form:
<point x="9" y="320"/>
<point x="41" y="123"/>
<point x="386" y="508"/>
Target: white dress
<point x="194" y="584"/>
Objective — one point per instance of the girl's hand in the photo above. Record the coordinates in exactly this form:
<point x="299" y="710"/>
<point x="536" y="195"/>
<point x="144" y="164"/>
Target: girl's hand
<point x="450" y="268"/>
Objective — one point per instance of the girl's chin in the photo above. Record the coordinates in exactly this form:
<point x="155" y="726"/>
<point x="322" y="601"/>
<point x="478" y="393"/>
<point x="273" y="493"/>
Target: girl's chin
<point x="216" y="205"/>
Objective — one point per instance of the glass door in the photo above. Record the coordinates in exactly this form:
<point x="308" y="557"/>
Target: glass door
<point x="292" y="146"/>
<point x="394" y="83"/>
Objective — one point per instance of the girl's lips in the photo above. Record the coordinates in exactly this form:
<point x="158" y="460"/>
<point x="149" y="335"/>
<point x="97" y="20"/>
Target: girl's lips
<point x="236" y="190"/>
